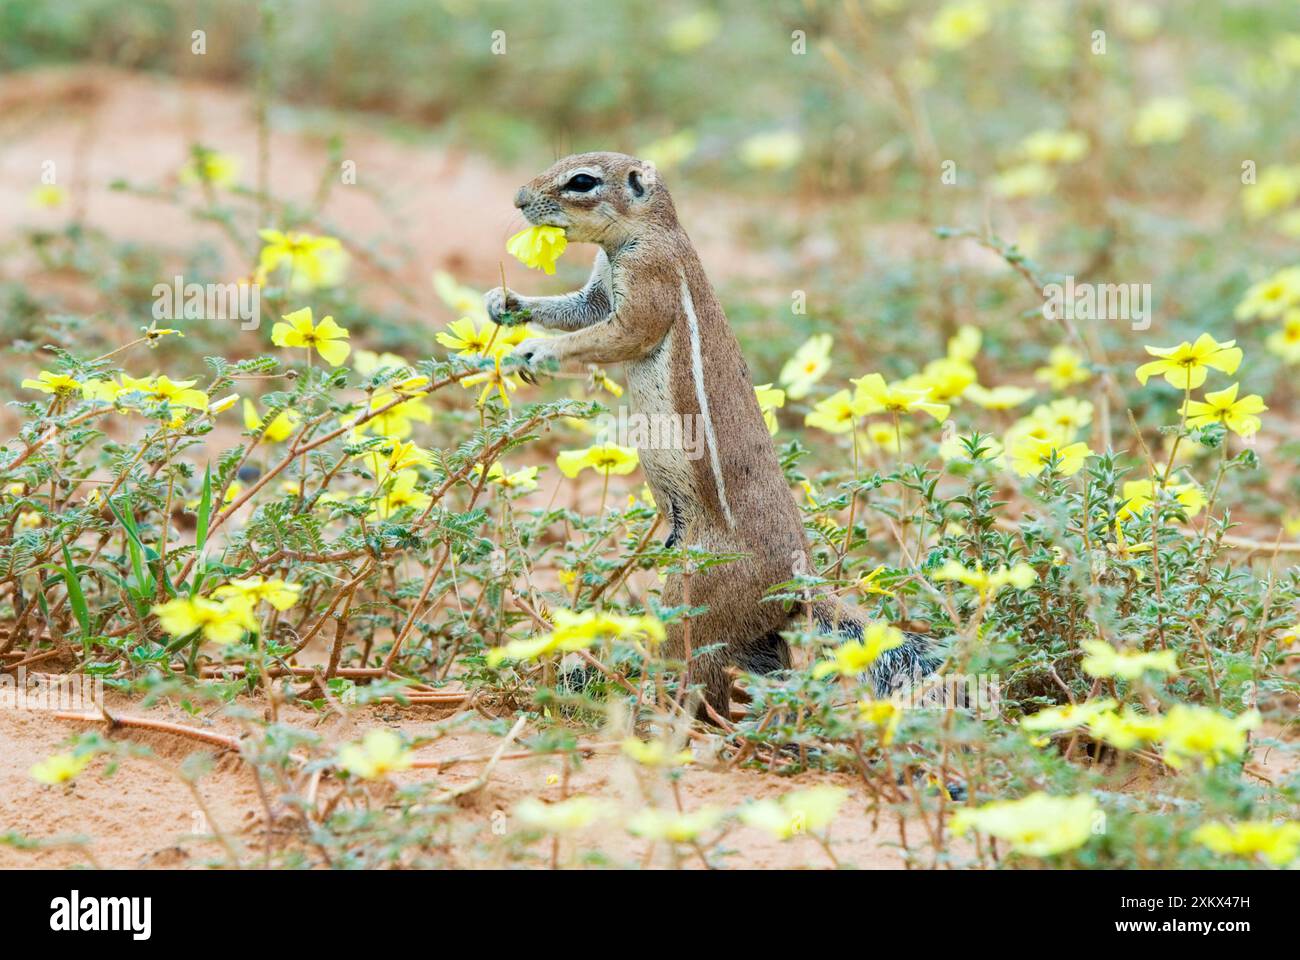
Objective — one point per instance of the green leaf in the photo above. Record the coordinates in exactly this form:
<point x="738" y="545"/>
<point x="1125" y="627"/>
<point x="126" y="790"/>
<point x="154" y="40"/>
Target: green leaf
<point x="76" y="598"/>
<point x="201" y="534"/>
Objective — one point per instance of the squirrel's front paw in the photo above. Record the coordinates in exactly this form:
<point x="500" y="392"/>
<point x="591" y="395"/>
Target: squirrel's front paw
<point x="504" y="307"/>
<point x="537" y="353"/>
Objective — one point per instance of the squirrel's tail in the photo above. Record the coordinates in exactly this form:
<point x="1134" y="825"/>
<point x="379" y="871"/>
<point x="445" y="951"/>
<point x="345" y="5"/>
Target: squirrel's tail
<point x="894" y="669"/>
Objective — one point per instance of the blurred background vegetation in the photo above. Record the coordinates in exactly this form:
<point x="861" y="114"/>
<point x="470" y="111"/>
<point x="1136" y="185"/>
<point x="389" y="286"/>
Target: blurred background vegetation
<point x="846" y="131"/>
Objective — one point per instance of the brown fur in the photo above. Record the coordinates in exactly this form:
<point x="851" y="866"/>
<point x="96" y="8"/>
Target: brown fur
<point x="637" y="309"/>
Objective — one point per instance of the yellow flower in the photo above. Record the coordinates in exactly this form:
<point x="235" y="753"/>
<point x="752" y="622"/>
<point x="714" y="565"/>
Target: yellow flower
<point x="325" y="337"/>
<point x="1272" y="297"/>
<point x="105" y="390"/>
<point x="795" y="813"/>
<point x="946" y="379"/>
<point x="1122" y="548"/>
<point x="1103" y="660"/>
<point x="999" y="398"/>
<point x="1055" y="146"/>
<point x="222" y="622"/>
<point x="1031" y="453"/>
<point x="1161" y="120"/>
<point x="875" y="396"/>
<point x="48" y="195"/>
<point x="1067" y="415"/>
<point x="565" y="816"/>
<point x="1279" y="843"/>
<point x="601" y="380"/>
<point x="521" y="480"/>
<point x="1064" y="369"/>
<point x="378" y="754"/>
<point x="1276" y="188"/>
<point x="854" y="656"/>
<point x="162" y="389"/>
<point x="867" y="583"/>
<point x="985" y="582"/>
<point x="395" y="422"/>
<point x="1126" y="729"/>
<point x="1192" y="732"/>
<point x="493" y="379"/>
<point x="208" y="166"/>
<point x="1138" y="495"/>
<point x="59" y="768"/>
<point x="605" y="458"/>
<point x="313" y="261"/>
<point x="221" y="406"/>
<point x="656" y="753"/>
<point x="772" y="151"/>
<point x="1286" y="341"/>
<point x="958" y="24"/>
<point x="367" y="362"/>
<point x="470" y="338"/>
<point x="278" y="593"/>
<point x="278" y="429"/>
<point x="807" y="366"/>
<point x="1025" y="180"/>
<point x="837" y="413"/>
<point x="578" y="631"/>
<point x="59" y="384"/>
<point x="401" y="493"/>
<point x="769" y="399"/>
<point x="883" y="715"/>
<point x="1037" y="825"/>
<point x="964" y="345"/>
<point x="1222" y="406"/>
<point x="1186" y="365"/>
<point x="655" y="824"/>
<point x="538" y="247"/>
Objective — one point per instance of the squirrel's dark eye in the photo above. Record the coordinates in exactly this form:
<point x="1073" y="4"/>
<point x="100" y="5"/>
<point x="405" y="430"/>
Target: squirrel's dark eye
<point x="581" y="183"/>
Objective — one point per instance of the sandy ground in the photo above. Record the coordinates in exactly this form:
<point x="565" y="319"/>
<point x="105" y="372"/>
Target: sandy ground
<point x="415" y="206"/>
<point x="143" y="814"/>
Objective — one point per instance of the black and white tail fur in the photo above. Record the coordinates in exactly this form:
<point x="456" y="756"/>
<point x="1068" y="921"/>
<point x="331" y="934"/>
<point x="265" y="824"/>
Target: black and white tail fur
<point x="895" y="669"/>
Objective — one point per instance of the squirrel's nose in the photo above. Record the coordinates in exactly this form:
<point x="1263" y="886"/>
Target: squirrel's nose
<point x="522" y="198"/>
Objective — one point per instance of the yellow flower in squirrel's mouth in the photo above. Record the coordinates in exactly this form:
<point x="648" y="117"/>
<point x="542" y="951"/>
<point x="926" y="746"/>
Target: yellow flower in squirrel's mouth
<point x="538" y="247"/>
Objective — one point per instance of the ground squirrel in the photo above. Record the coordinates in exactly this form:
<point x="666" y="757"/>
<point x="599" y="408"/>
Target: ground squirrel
<point x="649" y="305"/>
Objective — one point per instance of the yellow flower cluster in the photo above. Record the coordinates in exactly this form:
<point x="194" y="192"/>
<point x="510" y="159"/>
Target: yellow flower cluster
<point x="1187" y="365"/>
<point x="1186" y="733"/>
<point x="578" y="631"/>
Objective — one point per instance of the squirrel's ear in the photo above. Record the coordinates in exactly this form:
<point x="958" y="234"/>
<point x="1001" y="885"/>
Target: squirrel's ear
<point x="640" y="180"/>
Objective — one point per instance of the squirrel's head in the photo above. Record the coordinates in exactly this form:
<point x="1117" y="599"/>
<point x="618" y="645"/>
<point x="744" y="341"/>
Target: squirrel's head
<point x="603" y="198"/>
